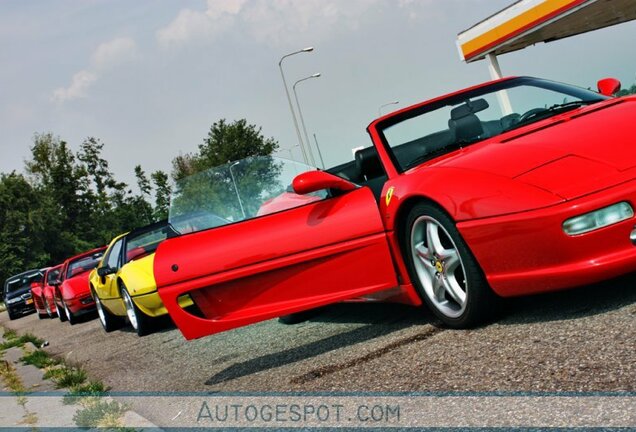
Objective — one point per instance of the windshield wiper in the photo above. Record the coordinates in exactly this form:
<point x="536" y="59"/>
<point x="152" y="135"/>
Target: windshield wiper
<point x="541" y="114"/>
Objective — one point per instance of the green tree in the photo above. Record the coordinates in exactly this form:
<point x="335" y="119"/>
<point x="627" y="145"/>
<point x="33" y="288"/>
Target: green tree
<point x="225" y="142"/>
<point x="20" y="248"/>
<point x="627" y="92"/>
<point x="163" y="190"/>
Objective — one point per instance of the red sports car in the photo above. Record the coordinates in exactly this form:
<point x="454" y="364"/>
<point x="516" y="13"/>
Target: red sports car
<point x="37" y="294"/>
<point x="73" y="294"/>
<point x="51" y="280"/>
<point x="513" y="187"/>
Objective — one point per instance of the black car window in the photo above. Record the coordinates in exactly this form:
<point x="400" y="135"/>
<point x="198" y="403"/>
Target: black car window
<point x="112" y="260"/>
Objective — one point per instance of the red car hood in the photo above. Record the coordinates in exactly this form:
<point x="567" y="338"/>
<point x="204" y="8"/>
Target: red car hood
<point x="570" y="155"/>
<point x="76" y="286"/>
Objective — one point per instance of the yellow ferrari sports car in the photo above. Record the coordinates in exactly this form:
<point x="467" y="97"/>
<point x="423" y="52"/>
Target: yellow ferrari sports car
<point x="123" y="284"/>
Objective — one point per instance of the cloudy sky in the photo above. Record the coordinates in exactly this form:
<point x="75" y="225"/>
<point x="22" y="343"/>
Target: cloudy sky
<point x="150" y="77"/>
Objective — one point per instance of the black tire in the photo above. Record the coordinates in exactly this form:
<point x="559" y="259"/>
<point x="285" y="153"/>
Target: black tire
<point x="108" y="321"/>
<point x="298" y="317"/>
<point x="12" y="316"/>
<point x="61" y="313"/>
<point x="480" y="303"/>
<point x="72" y="319"/>
<point x="144" y="324"/>
<point x="48" y="310"/>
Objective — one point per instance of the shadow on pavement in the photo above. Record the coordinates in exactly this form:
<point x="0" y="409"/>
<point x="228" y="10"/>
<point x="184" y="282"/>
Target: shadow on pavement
<point x="381" y="320"/>
<point x="572" y="304"/>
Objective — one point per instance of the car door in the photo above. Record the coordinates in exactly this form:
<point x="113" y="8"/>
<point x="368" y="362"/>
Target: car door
<point x="106" y="286"/>
<point x="321" y="251"/>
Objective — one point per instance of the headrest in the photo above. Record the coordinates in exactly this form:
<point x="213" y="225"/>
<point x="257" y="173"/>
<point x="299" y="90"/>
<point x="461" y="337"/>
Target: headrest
<point x="368" y="163"/>
<point x="466" y="129"/>
<point x="470" y="107"/>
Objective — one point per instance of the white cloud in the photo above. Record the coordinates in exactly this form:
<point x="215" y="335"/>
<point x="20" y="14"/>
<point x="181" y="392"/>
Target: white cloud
<point x="112" y="53"/>
<point x="190" y="24"/>
<point x="270" y="21"/>
<point x="106" y="55"/>
<point x="80" y="83"/>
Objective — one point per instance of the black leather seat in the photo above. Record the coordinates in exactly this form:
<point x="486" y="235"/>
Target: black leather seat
<point x="464" y="124"/>
<point x="371" y="171"/>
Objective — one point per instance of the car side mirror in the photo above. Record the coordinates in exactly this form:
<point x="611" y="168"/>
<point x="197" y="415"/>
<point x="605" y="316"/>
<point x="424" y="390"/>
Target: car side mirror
<point x="609" y="86"/>
<point x="105" y="271"/>
<point x="313" y="181"/>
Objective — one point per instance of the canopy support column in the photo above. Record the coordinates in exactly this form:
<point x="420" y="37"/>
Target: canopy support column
<point x="495" y="74"/>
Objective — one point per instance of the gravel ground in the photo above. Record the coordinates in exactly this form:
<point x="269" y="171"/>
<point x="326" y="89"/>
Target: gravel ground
<point x="579" y="340"/>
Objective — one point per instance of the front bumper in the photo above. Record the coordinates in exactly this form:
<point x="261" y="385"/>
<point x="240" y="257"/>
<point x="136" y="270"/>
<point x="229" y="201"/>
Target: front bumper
<point x="152" y="305"/>
<point x="529" y="253"/>
<point x="81" y="304"/>
<point x="21" y="307"/>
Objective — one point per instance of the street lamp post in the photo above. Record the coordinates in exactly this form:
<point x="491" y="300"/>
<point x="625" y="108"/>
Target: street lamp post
<point x="291" y="107"/>
<point x="302" y="119"/>
<point x="289" y="150"/>
<point x="238" y="196"/>
<point x="322" y="161"/>
<point x="385" y="105"/>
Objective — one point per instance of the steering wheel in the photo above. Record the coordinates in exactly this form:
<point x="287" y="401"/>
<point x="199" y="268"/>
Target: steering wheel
<point x="526" y="115"/>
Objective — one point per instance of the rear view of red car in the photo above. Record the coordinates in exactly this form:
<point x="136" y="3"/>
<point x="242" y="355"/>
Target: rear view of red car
<point x="37" y="293"/>
<point x="72" y="296"/>
<point x="51" y="281"/>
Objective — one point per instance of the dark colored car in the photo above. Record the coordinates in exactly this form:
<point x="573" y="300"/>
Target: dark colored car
<point x="17" y="293"/>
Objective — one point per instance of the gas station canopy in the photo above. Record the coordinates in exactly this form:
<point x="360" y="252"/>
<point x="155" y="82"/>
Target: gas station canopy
<point x="527" y="22"/>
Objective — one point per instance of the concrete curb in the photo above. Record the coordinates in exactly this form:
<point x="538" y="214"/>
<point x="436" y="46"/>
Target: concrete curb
<point x="46" y="411"/>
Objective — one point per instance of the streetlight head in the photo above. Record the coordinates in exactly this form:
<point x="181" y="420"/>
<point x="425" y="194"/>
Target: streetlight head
<point x="308" y="49"/>
<point x="395" y="102"/>
<point x="316" y="75"/>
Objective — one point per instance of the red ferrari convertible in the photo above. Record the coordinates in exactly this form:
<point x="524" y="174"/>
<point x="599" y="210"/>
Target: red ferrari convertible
<point x="513" y="187"/>
<point x="72" y="295"/>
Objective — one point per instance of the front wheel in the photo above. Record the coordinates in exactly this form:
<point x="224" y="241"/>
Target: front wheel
<point x="444" y="271"/>
<point x="12" y="316"/>
<point x="69" y="315"/>
<point x="140" y="322"/>
<point x="109" y="321"/>
<point x="61" y="311"/>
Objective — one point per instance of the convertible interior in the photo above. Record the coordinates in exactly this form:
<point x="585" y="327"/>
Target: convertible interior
<point x="464" y="128"/>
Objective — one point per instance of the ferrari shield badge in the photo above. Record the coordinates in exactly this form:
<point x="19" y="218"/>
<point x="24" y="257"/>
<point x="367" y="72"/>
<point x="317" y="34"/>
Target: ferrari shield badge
<point x="389" y="195"/>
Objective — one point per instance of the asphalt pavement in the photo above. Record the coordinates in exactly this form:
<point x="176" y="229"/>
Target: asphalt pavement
<point x="576" y="340"/>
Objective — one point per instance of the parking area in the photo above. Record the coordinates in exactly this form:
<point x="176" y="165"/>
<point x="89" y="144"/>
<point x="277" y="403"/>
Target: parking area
<point x="578" y="340"/>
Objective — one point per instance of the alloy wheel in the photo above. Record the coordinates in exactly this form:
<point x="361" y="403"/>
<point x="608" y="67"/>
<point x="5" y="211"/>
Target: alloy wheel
<point x="439" y="266"/>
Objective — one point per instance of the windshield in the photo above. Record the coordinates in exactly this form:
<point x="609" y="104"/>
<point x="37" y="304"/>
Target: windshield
<point x="84" y="264"/>
<point x="470" y="117"/>
<point x="236" y="191"/>
<point x="145" y="242"/>
<point x="52" y="276"/>
<point x="23" y="281"/>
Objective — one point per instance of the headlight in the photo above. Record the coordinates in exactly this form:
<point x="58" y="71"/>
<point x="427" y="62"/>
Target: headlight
<point x="598" y="219"/>
<point x="13" y="300"/>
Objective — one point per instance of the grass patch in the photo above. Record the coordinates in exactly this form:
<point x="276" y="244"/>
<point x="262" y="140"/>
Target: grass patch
<point x="2" y="307"/>
<point x="10" y="334"/>
<point x="40" y="359"/>
<point x="68" y="377"/>
<point x="99" y="413"/>
<point x="89" y="389"/>
<point x="12" y="340"/>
